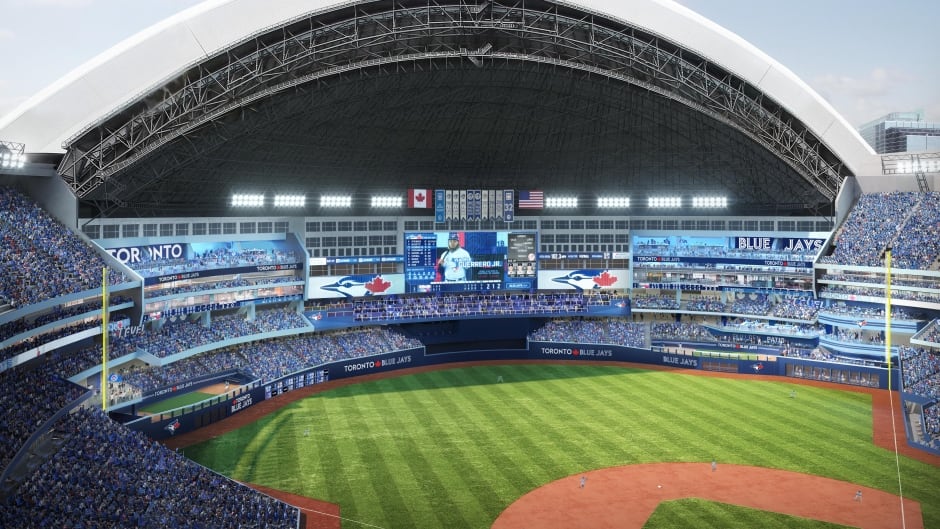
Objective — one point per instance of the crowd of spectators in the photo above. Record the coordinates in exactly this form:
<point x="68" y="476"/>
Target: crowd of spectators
<point x="871" y="226"/>
<point x="706" y="304"/>
<point x="879" y="279"/>
<point x="789" y="307"/>
<point x="869" y="312"/>
<point x="468" y="304"/>
<point x="39" y="340"/>
<point x="932" y="423"/>
<point x="661" y="302"/>
<point x="682" y="248"/>
<point x="815" y="353"/>
<point x="105" y="475"/>
<point x="29" y="396"/>
<point x="920" y="371"/>
<point x="271" y="359"/>
<point x="680" y="331"/>
<point x="855" y="336"/>
<point x="608" y="331"/>
<point x="173" y="337"/>
<point x="40" y="258"/>
<point x="754" y="304"/>
<point x="917" y="245"/>
<point x="795" y="308"/>
<point x="908" y="222"/>
<point x="215" y="259"/>
<point x="802" y="331"/>
<point x="920" y="375"/>
<point x="828" y="290"/>
<point x="158" y="291"/>
<point x="57" y="313"/>
<point x="68" y="362"/>
<point x="931" y="332"/>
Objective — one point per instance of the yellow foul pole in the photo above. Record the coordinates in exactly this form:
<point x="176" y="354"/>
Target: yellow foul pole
<point x="104" y="338"/>
<point x="888" y="313"/>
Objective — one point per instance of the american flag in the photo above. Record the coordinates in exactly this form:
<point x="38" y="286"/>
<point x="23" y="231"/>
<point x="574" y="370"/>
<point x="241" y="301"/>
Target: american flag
<point x="531" y="200"/>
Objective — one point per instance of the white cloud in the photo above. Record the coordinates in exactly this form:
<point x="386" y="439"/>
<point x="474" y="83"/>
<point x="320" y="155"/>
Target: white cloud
<point x="879" y="92"/>
<point x="7" y="34"/>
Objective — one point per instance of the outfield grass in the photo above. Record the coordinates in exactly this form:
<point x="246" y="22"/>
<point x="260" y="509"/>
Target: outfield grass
<point x="453" y="448"/>
<point x="176" y="402"/>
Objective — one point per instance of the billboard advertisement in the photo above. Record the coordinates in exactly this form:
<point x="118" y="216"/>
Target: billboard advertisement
<point x="355" y="286"/>
<point x="584" y="280"/>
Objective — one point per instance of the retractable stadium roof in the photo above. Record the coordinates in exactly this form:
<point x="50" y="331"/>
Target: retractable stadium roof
<point x="634" y="97"/>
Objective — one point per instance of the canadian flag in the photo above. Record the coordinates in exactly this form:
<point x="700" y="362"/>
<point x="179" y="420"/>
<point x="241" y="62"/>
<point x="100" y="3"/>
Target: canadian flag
<point x="419" y="198"/>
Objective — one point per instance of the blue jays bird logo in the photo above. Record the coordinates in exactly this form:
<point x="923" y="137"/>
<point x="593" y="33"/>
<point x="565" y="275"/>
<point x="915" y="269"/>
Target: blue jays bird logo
<point x="358" y="286"/>
<point x="172" y="427"/>
<point x="584" y="280"/>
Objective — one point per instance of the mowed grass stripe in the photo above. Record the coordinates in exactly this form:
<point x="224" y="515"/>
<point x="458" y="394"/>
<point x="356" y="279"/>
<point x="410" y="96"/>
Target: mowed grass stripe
<point x="251" y="461"/>
<point x="321" y="461"/>
<point x="500" y="405"/>
<point x="555" y="434"/>
<point x="739" y="406"/>
<point x="493" y="434"/>
<point x="385" y="465"/>
<point x="591" y="418"/>
<point x="352" y="465"/>
<point x="494" y="445"/>
<point x="333" y="482"/>
<point x="406" y="439"/>
<point x="812" y="444"/>
<point x="490" y="442"/>
<point x="418" y="446"/>
<point x="665" y="416"/>
<point x="529" y="458"/>
<point x="442" y="475"/>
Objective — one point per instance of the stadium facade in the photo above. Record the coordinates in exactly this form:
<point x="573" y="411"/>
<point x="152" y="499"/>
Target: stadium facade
<point x="139" y="152"/>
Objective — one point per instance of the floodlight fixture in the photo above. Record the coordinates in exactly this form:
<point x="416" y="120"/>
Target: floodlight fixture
<point x="335" y="201"/>
<point x="387" y="202"/>
<point x="664" y="202"/>
<point x="561" y="202"/>
<point x="12" y="155"/>
<point x="709" y="202"/>
<point x="613" y="202"/>
<point x="290" y="201"/>
<point x="247" y="200"/>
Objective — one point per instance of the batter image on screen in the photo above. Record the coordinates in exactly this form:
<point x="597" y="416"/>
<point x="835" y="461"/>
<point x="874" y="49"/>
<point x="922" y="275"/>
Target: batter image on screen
<point x="454" y="261"/>
<point x="469" y="261"/>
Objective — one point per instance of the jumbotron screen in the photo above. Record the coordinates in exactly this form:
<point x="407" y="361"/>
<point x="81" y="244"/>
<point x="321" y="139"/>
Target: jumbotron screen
<point x="470" y="261"/>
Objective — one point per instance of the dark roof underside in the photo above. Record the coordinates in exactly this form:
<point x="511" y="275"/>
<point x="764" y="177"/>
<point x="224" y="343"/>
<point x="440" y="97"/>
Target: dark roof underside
<point x="505" y="125"/>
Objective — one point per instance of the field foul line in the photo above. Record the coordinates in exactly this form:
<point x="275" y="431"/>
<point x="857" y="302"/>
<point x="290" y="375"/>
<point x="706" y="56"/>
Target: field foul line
<point x="341" y="518"/>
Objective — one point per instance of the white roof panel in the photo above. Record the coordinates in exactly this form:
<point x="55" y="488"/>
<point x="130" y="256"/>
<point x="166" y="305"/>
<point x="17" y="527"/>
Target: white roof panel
<point x="148" y="59"/>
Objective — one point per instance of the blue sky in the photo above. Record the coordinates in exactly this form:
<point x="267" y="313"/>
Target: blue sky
<point x="866" y="57"/>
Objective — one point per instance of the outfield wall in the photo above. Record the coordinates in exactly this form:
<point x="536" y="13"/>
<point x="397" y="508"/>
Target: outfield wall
<point x="685" y="356"/>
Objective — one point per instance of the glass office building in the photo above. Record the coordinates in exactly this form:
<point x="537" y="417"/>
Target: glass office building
<point x="900" y="132"/>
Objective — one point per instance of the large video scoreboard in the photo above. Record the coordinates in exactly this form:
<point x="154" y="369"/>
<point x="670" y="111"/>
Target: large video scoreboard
<point x="470" y="261"/>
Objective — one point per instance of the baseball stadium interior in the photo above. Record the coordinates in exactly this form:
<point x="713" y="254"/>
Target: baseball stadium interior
<point x="329" y="192"/>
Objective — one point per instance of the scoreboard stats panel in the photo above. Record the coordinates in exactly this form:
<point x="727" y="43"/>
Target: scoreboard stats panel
<point x="470" y="261"/>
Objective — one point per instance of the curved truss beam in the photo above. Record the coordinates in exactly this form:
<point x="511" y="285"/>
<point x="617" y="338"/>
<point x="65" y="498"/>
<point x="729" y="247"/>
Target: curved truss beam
<point x="361" y="37"/>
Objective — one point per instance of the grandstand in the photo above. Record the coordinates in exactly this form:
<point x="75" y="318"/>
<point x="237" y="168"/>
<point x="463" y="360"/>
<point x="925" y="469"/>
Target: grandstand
<point x="130" y="277"/>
